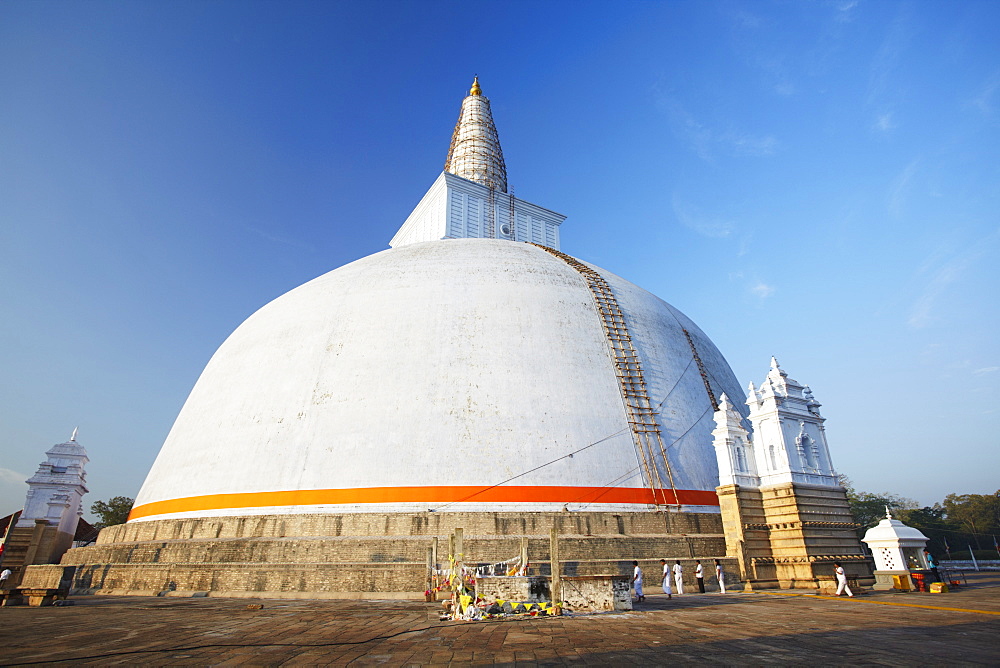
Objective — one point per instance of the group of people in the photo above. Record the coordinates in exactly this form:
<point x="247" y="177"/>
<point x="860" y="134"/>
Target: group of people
<point x="674" y="576"/>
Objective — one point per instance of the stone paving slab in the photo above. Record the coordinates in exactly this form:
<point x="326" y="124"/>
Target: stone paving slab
<point x="787" y="628"/>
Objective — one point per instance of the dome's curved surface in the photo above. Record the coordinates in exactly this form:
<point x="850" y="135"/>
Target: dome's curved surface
<point x="443" y="375"/>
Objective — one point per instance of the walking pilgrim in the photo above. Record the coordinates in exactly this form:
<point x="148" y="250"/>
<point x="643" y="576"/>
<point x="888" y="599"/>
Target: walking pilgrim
<point x="666" y="579"/>
<point x="699" y="575"/>
<point x="841" y="580"/>
<point x="679" y="577"/>
<point x="637" y="582"/>
<point x="720" y="576"/>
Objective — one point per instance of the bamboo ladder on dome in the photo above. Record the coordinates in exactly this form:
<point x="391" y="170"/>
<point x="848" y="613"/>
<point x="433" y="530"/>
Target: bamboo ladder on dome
<point x="641" y="416"/>
<point x="491" y="209"/>
<point x="701" y="370"/>
<point x="511" y="218"/>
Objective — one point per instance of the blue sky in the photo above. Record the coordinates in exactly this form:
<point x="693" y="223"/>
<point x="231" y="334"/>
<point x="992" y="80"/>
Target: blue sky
<point x="813" y="180"/>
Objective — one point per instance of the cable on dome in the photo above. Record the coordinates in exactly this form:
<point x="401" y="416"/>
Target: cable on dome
<point x="695" y="424"/>
<point x="676" y="383"/>
<point x="609" y="486"/>
<point x="541" y="466"/>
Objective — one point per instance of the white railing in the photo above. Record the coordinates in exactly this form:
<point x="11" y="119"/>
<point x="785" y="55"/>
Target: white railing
<point x="968" y="565"/>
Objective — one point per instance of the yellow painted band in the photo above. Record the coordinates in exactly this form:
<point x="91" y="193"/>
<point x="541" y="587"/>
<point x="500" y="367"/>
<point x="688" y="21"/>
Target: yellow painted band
<point x="905" y="605"/>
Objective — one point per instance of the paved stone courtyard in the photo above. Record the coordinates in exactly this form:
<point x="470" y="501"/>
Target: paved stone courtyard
<point x="961" y="627"/>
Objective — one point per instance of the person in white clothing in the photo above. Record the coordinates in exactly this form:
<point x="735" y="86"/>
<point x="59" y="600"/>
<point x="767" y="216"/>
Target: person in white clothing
<point x="720" y="576"/>
<point x="4" y="576"/>
<point x="679" y="577"/>
<point x="699" y="576"/>
<point x="841" y="580"/>
<point x="637" y="582"/>
<point x="666" y="579"/>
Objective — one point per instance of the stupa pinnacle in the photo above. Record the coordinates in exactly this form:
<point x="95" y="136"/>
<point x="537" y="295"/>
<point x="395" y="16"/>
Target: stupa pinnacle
<point x="470" y="198"/>
<point x="475" y="152"/>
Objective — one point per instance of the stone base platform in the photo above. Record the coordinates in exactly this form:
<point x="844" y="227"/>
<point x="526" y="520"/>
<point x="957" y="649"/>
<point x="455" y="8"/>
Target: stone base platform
<point x="368" y="555"/>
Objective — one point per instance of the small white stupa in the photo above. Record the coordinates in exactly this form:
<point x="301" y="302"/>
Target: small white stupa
<point x="898" y="550"/>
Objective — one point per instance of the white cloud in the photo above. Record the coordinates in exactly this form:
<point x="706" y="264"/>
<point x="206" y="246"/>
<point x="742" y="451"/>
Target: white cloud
<point x="744" y="245"/>
<point x="881" y="84"/>
<point x="745" y="19"/>
<point x="884" y="122"/>
<point x="984" y="100"/>
<point x="951" y="271"/>
<point x="705" y="141"/>
<point x="12" y="490"/>
<point x="704" y="224"/>
<point x="784" y="88"/>
<point x="900" y="187"/>
<point x="7" y="476"/>
<point x="279" y="239"/>
<point x="985" y="370"/>
<point x="920" y="315"/>
<point x="762" y="290"/>
<point x="747" y="144"/>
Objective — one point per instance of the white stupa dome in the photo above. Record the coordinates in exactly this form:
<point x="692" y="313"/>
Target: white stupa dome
<point x="462" y="370"/>
<point x="457" y="374"/>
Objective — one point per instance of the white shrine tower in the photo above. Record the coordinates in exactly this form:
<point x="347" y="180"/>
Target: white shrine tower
<point x="55" y="492"/>
<point x="790" y="441"/>
<point x="785" y="513"/>
<point x="52" y="509"/>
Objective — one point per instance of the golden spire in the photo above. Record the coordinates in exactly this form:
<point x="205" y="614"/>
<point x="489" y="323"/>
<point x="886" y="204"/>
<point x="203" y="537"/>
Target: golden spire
<point x="475" y="90"/>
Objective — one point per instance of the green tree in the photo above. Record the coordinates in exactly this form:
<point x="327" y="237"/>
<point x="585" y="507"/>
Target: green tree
<point x="114" y="511"/>
<point x="978" y="514"/>
<point x="933" y="523"/>
<point x="868" y="508"/>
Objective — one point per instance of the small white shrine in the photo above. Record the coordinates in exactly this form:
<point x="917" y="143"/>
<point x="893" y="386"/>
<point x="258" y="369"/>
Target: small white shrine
<point x="898" y="550"/>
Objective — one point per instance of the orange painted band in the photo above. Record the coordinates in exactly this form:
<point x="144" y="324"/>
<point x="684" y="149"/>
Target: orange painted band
<point x="455" y="494"/>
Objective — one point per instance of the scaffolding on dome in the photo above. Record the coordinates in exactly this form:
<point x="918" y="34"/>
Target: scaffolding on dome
<point x="475" y="152"/>
<point x="641" y="414"/>
<point x="701" y="370"/>
<point x="511" y="219"/>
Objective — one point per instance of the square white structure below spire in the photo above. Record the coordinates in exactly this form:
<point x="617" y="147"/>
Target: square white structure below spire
<point x="457" y="208"/>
